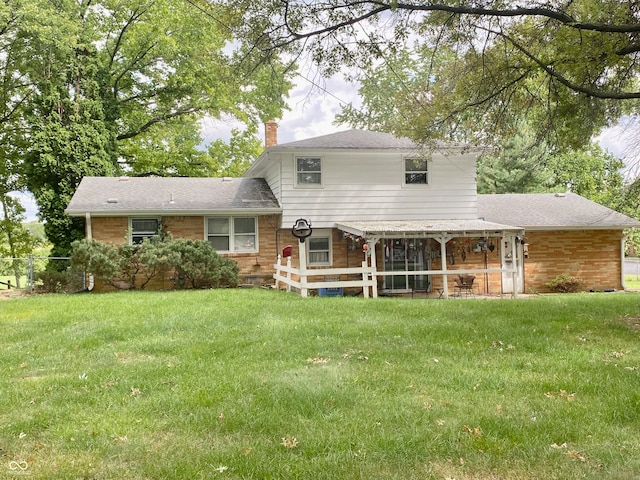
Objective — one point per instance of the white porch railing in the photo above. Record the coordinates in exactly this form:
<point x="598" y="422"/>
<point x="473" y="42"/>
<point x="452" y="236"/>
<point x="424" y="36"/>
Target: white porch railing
<point x="284" y="274"/>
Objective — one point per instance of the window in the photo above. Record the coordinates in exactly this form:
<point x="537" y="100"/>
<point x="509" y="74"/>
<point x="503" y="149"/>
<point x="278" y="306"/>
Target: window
<point x="319" y="249"/>
<point x="232" y="234"/>
<point x="416" y="171"/>
<point x="142" y="228"/>
<point x="308" y="171"/>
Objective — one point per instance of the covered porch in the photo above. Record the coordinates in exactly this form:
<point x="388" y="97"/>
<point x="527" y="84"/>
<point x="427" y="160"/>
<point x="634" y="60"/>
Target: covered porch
<point x="432" y="256"/>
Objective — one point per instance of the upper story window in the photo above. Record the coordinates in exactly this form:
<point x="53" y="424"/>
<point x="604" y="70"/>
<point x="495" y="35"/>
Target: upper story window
<point x="232" y="234"/>
<point x="308" y="171"/>
<point x="142" y="228"/>
<point x="416" y="171"/>
<point x="319" y="248"/>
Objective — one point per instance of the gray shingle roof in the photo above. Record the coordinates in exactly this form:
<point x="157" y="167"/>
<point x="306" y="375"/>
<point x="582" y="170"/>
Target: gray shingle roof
<point x="131" y="195"/>
<point x="357" y="139"/>
<point x="545" y="211"/>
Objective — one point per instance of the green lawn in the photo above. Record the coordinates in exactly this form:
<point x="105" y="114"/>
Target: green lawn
<point x="259" y="384"/>
<point x="632" y="282"/>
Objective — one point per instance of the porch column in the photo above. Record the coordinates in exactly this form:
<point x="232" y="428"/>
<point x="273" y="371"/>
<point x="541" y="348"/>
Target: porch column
<point x="514" y="263"/>
<point x="374" y="265"/>
<point x="443" y="265"/>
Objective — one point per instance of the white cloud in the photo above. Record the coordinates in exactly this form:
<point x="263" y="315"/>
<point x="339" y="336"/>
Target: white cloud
<point x="29" y="203"/>
<point x="314" y="105"/>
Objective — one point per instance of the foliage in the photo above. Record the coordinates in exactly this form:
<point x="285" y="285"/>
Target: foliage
<point x="522" y="166"/>
<point x="201" y="266"/>
<point x="143" y="385"/>
<point x="568" y="66"/>
<point x="98" y="88"/>
<point x="565" y="283"/>
<point x="52" y="280"/>
<point x="15" y="240"/>
<point x="131" y="267"/>
<point x="98" y="259"/>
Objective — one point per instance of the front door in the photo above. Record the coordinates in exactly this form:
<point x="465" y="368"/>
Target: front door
<point x="510" y="259"/>
<point x="406" y="255"/>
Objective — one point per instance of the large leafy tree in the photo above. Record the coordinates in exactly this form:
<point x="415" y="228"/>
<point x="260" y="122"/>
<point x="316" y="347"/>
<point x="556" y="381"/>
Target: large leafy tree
<point x="119" y="86"/>
<point x="568" y="65"/>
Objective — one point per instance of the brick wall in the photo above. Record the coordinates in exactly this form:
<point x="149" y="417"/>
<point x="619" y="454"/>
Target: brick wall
<point x="112" y="230"/>
<point x="254" y="267"/>
<point x="592" y="255"/>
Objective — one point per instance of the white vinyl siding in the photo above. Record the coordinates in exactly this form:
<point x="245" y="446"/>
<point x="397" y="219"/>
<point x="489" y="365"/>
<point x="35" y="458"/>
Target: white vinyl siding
<point x="143" y="228"/>
<point x="232" y="234"/>
<point x="370" y="185"/>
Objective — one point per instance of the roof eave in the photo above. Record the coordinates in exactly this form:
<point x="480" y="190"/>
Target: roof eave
<point x="171" y="213"/>
<point x="555" y="228"/>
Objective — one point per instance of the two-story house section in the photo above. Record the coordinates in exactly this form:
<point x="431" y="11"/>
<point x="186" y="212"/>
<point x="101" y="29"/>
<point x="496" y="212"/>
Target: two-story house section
<point x="412" y="207"/>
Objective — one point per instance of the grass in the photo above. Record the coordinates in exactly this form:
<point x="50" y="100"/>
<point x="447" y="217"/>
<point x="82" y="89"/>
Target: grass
<point x="632" y="282"/>
<point x="259" y="384"/>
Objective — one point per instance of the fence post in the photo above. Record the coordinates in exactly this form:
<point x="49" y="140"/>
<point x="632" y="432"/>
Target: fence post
<point x="278" y="264"/>
<point x="288" y="274"/>
<point x="365" y="279"/>
<point x="30" y="274"/>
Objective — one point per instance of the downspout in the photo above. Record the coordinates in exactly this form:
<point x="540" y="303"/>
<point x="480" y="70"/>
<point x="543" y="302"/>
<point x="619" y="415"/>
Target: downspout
<point x="88" y="226"/>
<point x="623" y="242"/>
<point x="89" y="232"/>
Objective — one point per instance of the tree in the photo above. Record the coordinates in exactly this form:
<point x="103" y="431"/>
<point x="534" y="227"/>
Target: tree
<point x="568" y="64"/>
<point x="113" y="86"/>
<point x="15" y="240"/>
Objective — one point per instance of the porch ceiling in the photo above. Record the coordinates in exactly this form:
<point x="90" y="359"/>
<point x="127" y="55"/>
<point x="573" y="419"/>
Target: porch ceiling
<point x="427" y="228"/>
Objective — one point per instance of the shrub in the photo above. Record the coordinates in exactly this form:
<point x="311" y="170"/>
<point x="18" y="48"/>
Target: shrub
<point x="51" y="281"/>
<point x="565" y="283"/>
<point x="130" y="267"/>
<point x="201" y="266"/>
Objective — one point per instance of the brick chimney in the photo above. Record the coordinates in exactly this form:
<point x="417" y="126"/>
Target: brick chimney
<point x="270" y="133"/>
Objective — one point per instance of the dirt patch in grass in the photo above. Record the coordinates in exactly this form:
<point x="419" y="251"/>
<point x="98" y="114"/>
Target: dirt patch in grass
<point x="13" y="293"/>
<point x="632" y="322"/>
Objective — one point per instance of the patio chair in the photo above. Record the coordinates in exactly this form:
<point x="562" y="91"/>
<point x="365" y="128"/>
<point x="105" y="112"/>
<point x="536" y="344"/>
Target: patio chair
<point x="464" y="284"/>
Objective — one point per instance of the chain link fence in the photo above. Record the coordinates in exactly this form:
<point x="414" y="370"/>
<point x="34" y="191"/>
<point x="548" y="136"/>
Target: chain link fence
<point x="40" y="274"/>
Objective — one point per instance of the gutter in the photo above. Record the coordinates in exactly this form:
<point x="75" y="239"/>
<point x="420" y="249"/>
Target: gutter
<point x="623" y="242"/>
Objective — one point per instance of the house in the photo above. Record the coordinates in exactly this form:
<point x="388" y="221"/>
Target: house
<point x="413" y="215"/>
<point x="565" y="233"/>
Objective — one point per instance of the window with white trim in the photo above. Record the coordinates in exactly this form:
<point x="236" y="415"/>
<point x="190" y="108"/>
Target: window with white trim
<point x="416" y="171"/>
<point x="232" y="234"/>
<point x="308" y="171"/>
<point x="143" y="228"/>
<point x="319" y="249"/>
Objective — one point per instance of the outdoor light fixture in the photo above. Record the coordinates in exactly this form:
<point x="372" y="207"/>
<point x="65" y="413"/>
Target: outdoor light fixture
<point x="301" y="230"/>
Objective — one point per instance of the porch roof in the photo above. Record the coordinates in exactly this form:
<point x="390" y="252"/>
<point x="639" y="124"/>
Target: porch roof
<point x="427" y="228"/>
